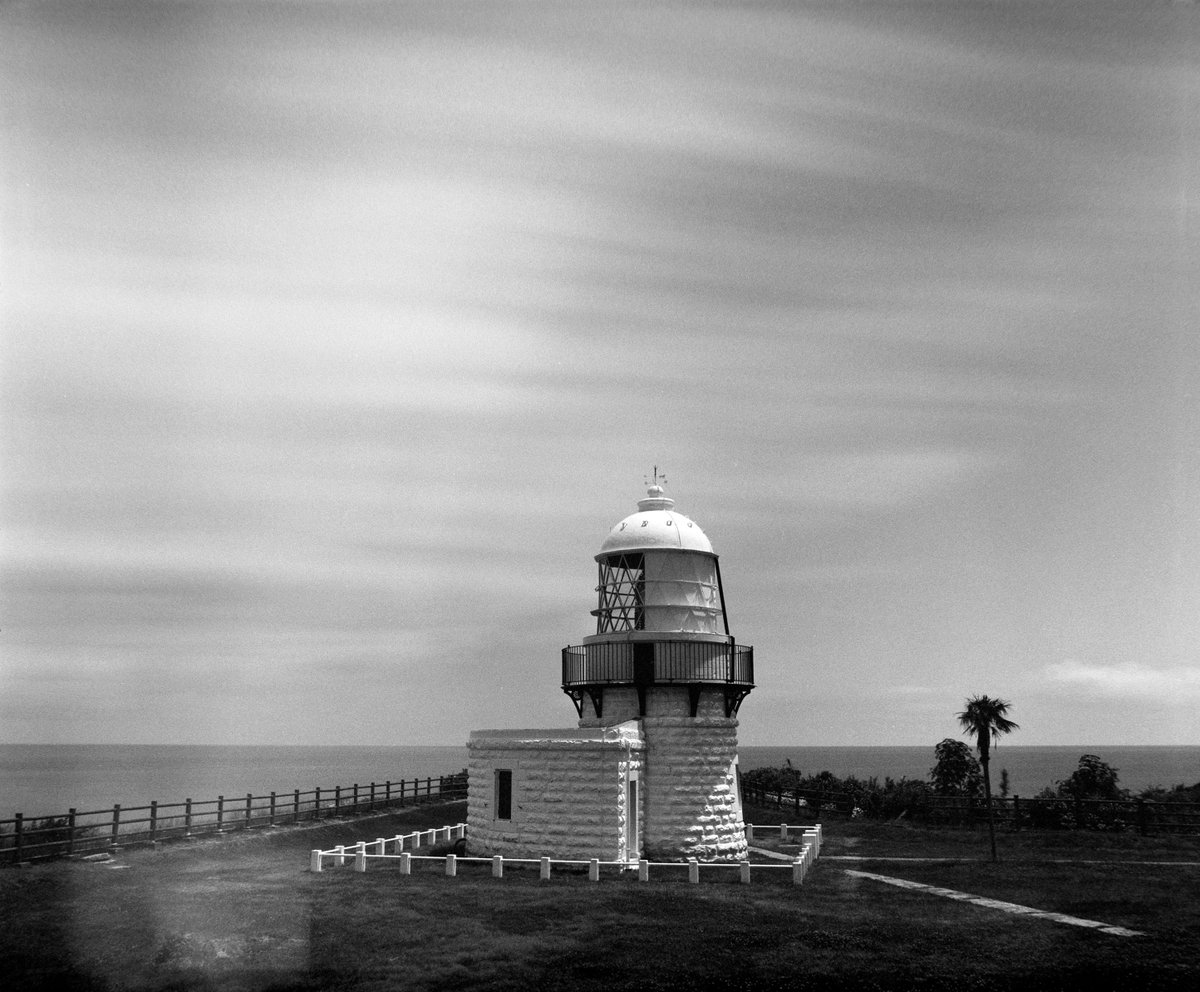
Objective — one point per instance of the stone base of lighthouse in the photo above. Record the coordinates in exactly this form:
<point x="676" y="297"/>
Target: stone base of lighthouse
<point x="692" y="806"/>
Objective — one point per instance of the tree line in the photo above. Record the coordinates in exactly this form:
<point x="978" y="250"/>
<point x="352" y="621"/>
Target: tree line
<point x="962" y="772"/>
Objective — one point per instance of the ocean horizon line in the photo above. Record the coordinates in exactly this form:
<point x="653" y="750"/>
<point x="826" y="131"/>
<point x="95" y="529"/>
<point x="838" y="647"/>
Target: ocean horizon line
<point x="459" y="744"/>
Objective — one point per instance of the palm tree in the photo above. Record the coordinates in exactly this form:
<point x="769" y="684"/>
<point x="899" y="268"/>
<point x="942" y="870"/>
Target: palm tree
<point x="986" y="719"/>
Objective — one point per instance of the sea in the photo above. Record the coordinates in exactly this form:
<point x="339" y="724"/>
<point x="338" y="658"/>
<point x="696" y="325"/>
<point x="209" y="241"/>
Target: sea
<point x="39" y="780"/>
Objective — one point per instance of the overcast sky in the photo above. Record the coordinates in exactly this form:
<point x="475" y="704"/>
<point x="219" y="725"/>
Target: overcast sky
<point x="336" y="337"/>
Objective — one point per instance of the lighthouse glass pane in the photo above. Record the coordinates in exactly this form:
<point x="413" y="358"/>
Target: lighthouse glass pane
<point x="681" y="593"/>
<point x="622" y="591"/>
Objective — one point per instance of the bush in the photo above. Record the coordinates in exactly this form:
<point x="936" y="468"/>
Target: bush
<point x="907" y="797"/>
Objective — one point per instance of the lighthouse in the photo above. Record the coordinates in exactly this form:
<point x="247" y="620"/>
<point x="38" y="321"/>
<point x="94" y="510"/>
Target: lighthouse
<point x="651" y="768"/>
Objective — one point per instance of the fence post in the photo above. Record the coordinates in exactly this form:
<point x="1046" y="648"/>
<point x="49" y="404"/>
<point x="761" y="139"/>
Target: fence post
<point x="1016" y="812"/>
<point x="187" y="817"/>
<point x="783" y="832"/>
<point x="116" y="824"/>
<point x="387" y="793"/>
<point x="372" y="806"/>
<point x="594" y="870"/>
<point x="220" y="814"/>
<point x="153" y="820"/>
<point x="451" y="866"/>
<point x="337" y="800"/>
<point x="18" y="835"/>
<point x="71" y="831"/>
<point x="643" y="870"/>
<point x="798" y="867"/>
<point x="693" y="871"/>
<point x="429" y="788"/>
<point x="296" y="806"/>
<point x="498" y="866"/>
<point x="249" y="805"/>
<point x="405" y="863"/>
<point x="809" y="839"/>
<point x="314" y="861"/>
<point x="354" y="805"/>
<point x="360" y="856"/>
<point x="271" y="822"/>
<point x="749" y="833"/>
<point x="745" y="872"/>
<point x="545" y="868"/>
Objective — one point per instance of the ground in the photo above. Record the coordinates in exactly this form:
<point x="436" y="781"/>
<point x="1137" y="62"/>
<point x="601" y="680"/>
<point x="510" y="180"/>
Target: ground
<point x="244" y="913"/>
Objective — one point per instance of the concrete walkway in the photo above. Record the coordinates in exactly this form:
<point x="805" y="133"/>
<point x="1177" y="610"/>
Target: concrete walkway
<point x="1007" y="907"/>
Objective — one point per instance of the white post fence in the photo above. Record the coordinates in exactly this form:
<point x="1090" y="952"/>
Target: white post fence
<point x="403" y="847"/>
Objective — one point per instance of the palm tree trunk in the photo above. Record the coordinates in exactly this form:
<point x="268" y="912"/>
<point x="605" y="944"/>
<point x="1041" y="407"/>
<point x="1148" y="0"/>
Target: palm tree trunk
<point x="984" y="757"/>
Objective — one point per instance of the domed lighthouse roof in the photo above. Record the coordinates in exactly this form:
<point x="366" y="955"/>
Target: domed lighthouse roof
<point x="655" y="526"/>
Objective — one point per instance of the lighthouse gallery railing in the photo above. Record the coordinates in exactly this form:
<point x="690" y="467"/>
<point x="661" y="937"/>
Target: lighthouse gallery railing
<point x="687" y="662"/>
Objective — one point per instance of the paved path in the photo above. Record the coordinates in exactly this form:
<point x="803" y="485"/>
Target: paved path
<point x="1007" y="907"/>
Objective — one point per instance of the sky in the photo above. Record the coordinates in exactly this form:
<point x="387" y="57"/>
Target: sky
<point x="334" y="338"/>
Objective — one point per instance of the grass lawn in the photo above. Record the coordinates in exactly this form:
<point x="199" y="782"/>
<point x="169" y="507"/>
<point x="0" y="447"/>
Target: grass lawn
<point x="243" y="912"/>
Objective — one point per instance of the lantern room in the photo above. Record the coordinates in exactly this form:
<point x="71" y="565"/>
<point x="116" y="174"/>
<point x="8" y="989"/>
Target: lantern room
<point x="660" y="616"/>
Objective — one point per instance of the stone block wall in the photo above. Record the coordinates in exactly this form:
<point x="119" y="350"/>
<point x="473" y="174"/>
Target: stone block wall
<point x="569" y="797"/>
<point x="693" y="809"/>
<point x="691" y="802"/>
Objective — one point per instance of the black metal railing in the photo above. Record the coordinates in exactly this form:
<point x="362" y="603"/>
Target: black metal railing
<point x="657" y="663"/>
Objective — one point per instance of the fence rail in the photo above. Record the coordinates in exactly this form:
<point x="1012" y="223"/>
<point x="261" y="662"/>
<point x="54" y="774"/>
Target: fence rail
<point x="1144" y="815"/>
<point x="81" y="831"/>
<point x="404" y="847"/>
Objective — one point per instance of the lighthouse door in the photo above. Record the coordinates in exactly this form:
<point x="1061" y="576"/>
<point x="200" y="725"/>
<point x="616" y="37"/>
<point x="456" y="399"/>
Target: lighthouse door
<point x="633" y="845"/>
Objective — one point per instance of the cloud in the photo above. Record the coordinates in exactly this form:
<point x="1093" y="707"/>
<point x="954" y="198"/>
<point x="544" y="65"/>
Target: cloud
<point x="1127" y="680"/>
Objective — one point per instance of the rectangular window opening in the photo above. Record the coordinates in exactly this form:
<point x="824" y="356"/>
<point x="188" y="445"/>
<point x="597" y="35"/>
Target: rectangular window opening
<point x="503" y="793"/>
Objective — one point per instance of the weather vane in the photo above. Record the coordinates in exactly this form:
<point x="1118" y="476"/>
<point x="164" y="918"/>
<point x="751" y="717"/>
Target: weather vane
<point x="658" y="479"/>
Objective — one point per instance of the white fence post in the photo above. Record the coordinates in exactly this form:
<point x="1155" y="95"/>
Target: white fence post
<point x="749" y="833"/>
<point x="594" y="870"/>
<point x="451" y="866"/>
<point x="498" y="866"/>
<point x="745" y="872"/>
<point x="643" y="870"/>
<point x="379" y="842"/>
<point x="360" y="856"/>
<point x="405" y="863"/>
<point x="693" y="871"/>
<point x="314" y="862"/>
<point x="783" y="831"/>
<point x="810" y="838"/>
<point x="545" y="867"/>
<point x="341" y="854"/>
<point x="798" y="868"/>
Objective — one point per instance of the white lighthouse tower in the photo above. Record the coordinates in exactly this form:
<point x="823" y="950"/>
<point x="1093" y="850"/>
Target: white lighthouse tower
<point x="651" y="769"/>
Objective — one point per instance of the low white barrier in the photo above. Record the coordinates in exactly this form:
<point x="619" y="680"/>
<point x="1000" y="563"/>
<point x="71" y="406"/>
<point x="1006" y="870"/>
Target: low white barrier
<point x="378" y="850"/>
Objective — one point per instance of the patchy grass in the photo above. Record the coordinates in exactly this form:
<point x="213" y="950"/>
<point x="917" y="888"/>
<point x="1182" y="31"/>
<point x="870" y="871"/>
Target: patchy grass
<point x="243" y="913"/>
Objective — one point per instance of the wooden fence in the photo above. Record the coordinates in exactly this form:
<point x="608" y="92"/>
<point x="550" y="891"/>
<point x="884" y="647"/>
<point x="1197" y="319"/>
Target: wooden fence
<point x="82" y="831"/>
<point x="1143" y="815"/>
